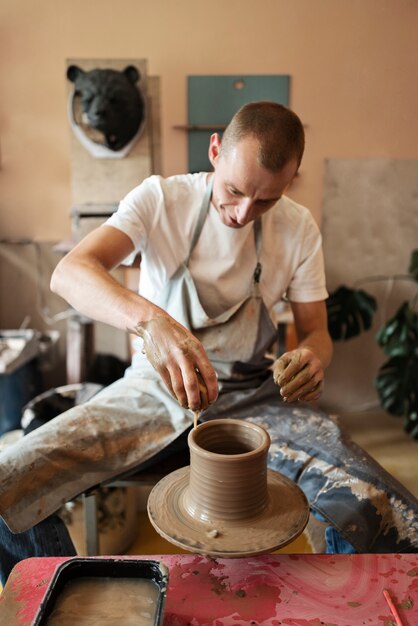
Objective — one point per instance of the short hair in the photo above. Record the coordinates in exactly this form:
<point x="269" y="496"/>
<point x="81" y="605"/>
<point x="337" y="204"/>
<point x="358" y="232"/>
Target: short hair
<point x="277" y="128"/>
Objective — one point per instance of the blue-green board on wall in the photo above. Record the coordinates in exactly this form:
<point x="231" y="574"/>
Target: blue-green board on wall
<point x="213" y="100"/>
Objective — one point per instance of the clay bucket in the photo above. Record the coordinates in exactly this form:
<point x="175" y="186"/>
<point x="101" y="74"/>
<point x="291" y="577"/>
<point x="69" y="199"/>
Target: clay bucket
<point x="228" y="471"/>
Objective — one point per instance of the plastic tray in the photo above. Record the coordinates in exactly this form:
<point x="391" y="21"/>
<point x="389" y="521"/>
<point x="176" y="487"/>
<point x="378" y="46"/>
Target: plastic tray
<point x="106" y="569"/>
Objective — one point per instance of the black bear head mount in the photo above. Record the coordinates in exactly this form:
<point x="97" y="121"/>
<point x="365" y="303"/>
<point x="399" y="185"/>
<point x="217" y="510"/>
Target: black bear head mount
<point x="112" y="103"/>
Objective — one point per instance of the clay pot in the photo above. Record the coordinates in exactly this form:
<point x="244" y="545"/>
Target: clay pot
<point x="227" y="503"/>
<point x="228" y="470"/>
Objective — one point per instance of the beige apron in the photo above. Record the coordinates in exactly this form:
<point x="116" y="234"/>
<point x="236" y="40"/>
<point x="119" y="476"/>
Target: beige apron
<point x="235" y="341"/>
<point x="135" y="417"/>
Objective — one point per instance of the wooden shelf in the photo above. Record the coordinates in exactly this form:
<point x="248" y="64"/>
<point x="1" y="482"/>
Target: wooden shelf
<point x="196" y="127"/>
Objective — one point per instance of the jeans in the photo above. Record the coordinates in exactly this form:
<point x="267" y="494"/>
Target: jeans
<point x="51" y="537"/>
<point x="334" y="542"/>
<point x="48" y="538"/>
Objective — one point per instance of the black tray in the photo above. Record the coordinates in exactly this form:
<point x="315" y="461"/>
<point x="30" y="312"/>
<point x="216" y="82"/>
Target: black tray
<point x="107" y="568"/>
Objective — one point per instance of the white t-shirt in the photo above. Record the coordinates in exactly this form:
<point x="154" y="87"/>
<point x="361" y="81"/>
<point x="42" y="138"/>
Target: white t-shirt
<point x="160" y="216"/>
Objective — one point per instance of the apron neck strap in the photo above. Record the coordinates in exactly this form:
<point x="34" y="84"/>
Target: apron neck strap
<point x="204" y="207"/>
<point x="258" y="238"/>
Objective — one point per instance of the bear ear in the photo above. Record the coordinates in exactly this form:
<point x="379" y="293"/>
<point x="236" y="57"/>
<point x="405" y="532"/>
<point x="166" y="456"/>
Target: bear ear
<point x="73" y="72"/>
<point x="132" y="73"/>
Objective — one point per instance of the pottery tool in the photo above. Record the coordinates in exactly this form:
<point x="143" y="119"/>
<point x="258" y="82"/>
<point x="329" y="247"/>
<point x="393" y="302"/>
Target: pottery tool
<point x="392" y="607"/>
<point x="203" y="398"/>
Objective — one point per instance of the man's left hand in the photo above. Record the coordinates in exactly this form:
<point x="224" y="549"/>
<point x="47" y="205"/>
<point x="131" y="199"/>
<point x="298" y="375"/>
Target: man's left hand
<point x="299" y="374"/>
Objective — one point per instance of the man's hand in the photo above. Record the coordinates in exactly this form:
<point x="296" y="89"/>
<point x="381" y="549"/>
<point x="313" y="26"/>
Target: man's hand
<point x="181" y="361"/>
<point x="299" y="374"/>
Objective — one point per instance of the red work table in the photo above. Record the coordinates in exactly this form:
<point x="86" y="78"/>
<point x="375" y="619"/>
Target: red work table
<point x="270" y="590"/>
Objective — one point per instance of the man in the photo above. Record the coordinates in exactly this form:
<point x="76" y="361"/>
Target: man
<point x="244" y="189"/>
<point x="218" y="252"/>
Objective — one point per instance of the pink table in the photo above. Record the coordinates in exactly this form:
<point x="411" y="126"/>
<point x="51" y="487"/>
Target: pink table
<point x="271" y="590"/>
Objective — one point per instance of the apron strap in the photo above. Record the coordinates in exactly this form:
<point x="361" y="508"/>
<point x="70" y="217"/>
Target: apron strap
<point x="204" y="207"/>
<point x="257" y="237"/>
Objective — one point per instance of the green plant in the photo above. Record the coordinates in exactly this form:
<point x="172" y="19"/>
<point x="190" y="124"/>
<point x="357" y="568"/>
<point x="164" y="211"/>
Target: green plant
<point x="351" y="311"/>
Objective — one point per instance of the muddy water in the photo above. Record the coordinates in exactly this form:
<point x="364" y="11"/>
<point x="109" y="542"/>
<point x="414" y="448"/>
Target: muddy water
<point x="106" y="602"/>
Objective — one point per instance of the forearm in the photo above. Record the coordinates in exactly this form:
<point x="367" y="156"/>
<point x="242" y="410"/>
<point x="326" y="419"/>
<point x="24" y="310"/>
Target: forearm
<point x="319" y="342"/>
<point x="83" y="277"/>
<point x="89" y="288"/>
<point x="300" y="372"/>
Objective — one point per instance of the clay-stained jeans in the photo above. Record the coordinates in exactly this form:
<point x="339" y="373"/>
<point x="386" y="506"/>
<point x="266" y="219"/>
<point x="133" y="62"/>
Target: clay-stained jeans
<point x="368" y="507"/>
<point x="51" y="537"/>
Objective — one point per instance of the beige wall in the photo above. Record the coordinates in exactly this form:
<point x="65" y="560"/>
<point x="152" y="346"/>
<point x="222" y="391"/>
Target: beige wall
<point x="352" y="63"/>
<point x="353" y="81"/>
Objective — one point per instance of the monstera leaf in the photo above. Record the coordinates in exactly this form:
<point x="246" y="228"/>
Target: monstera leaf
<point x="413" y="265"/>
<point x="397" y="387"/>
<point x="350" y="311"/>
<point x="399" y="336"/>
<point x="397" y="379"/>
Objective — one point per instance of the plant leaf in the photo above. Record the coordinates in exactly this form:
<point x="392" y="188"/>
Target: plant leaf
<point x="411" y="424"/>
<point x="399" y="336"/>
<point x="413" y="265"/>
<point x="350" y="311"/>
<point x="397" y="386"/>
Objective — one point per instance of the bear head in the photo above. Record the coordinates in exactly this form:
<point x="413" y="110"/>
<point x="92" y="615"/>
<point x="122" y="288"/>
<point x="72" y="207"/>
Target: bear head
<point x="111" y="102"/>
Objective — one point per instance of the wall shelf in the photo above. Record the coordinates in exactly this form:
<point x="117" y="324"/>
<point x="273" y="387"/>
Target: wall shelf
<point x="197" y="127"/>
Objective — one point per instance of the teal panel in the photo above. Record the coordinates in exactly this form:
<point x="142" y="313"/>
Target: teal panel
<point x="213" y="100"/>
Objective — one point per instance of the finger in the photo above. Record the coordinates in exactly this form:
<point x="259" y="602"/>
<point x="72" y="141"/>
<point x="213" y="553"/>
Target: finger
<point x="178" y="386"/>
<point x="313" y="394"/>
<point x="204" y="402"/>
<point x="195" y="387"/>
<point x="278" y="368"/>
<point x="194" y="401"/>
<point x="209" y="380"/>
<point x="301" y="380"/>
<point x="192" y="388"/>
<point x="207" y="373"/>
<point x="307" y="392"/>
<point x="165" y="375"/>
<point x="296" y="363"/>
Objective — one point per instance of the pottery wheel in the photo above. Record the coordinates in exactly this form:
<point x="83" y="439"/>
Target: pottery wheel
<point x="284" y="518"/>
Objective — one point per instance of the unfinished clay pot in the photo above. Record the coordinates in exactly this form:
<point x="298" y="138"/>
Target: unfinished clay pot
<point x="227" y="503"/>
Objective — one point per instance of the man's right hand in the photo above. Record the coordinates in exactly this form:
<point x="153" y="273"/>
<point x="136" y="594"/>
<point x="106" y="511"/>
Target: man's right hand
<point x="180" y="359"/>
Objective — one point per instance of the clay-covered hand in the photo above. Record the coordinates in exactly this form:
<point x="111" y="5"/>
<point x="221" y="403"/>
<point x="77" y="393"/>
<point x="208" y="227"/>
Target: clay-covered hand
<point x="181" y="361"/>
<point x="299" y="374"/>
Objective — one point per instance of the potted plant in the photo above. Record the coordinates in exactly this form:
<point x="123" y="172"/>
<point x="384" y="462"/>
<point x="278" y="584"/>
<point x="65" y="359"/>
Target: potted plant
<point x="351" y="311"/>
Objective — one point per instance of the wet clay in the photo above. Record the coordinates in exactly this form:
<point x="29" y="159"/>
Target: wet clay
<point x="154" y="333"/>
<point x="227" y="503"/>
<point x="228" y="471"/>
<point x="106" y="601"/>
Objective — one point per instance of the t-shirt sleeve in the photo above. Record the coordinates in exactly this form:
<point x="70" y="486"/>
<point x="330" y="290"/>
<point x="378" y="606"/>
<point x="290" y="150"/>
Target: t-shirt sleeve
<point x="137" y="213"/>
<point x="308" y="283"/>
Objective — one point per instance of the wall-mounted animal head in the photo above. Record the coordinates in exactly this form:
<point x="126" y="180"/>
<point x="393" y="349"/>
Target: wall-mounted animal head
<point x="111" y="102"/>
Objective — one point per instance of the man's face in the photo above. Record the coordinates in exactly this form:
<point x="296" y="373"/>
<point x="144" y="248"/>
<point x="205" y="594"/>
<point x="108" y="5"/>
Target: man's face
<point x="243" y="189"/>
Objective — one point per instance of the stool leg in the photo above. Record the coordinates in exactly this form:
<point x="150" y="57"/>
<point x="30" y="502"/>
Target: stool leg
<point x="90" y="524"/>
